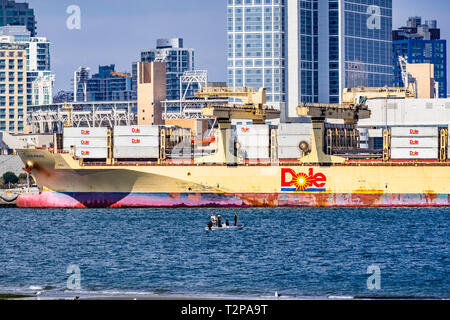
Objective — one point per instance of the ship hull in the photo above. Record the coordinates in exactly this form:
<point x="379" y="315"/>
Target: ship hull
<point x="65" y="183"/>
<point x="301" y="200"/>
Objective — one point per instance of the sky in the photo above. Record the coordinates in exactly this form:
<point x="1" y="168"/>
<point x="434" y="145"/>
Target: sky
<point x="116" y="31"/>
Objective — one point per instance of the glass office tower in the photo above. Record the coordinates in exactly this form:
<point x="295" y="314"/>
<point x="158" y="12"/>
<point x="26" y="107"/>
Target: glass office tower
<point x="319" y="47"/>
<point x="366" y="43"/>
<point x="255" y="46"/>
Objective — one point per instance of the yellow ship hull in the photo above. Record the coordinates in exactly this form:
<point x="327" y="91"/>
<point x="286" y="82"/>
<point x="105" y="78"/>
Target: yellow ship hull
<point x="67" y="184"/>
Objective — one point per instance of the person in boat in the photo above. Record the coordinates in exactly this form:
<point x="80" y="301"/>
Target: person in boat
<point x="210" y="225"/>
<point x="236" y="217"/>
<point x="227" y="223"/>
<point x="219" y="221"/>
<point x="213" y="219"/>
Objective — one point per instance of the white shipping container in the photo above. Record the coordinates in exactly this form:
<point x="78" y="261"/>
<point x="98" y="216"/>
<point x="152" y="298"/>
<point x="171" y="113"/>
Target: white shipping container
<point x="254" y="141"/>
<point x="251" y="130"/>
<point x="91" y="153"/>
<point x="414" y="132"/>
<point x="289" y="153"/>
<point x="415" y="142"/>
<point x="136" y="152"/>
<point x="136" y="131"/>
<point x="410" y="153"/>
<point x="140" y="141"/>
<point x="85" y="132"/>
<point x="294" y="128"/>
<point x="293" y="140"/>
<point x="84" y="142"/>
<point x="255" y="153"/>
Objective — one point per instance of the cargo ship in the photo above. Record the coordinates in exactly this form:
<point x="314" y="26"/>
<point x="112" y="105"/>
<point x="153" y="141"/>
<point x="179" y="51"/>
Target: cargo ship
<point x="129" y="167"/>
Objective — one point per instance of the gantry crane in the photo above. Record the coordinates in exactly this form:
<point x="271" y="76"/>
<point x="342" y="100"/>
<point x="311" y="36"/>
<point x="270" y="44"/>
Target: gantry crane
<point x="360" y="95"/>
<point x="318" y="113"/>
<point x="253" y="108"/>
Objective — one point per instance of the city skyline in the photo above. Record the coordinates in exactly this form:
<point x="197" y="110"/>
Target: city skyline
<point x="113" y="32"/>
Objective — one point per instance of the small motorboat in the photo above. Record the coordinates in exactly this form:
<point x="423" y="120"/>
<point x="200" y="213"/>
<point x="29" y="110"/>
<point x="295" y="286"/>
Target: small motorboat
<point x="225" y="227"/>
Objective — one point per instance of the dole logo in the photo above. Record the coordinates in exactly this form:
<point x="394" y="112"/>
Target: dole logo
<point x="302" y="181"/>
<point x="135" y="141"/>
<point x="84" y="142"/>
<point x="135" y="130"/>
<point x="85" y="132"/>
<point x="413" y="131"/>
<point x="413" y="153"/>
<point x="413" y="141"/>
<point x="85" y="153"/>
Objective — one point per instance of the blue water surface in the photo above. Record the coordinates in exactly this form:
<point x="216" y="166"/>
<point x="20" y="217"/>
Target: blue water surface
<point x="299" y="253"/>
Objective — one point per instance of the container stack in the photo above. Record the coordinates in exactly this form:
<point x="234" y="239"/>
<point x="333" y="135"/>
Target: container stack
<point x="290" y="136"/>
<point x="414" y="143"/>
<point x="253" y="141"/>
<point x="136" y="142"/>
<point x="89" y="143"/>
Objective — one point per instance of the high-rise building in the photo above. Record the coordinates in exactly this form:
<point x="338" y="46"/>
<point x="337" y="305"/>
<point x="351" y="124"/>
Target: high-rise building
<point x="151" y="88"/>
<point x="26" y="61"/>
<point x="178" y="60"/>
<point x="17" y="14"/>
<point x="318" y="47"/>
<point x="255" y="46"/>
<point x="13" y="83"/>
<point x="39" y="77"/>
<point x="106" y="85"/>
<point x="421" y="43"/>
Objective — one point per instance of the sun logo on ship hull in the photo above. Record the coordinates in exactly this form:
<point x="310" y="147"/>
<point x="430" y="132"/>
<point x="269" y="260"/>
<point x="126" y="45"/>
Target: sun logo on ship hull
<point x="302" y="181"/>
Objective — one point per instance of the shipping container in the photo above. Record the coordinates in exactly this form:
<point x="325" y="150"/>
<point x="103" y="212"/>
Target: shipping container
<point x="86" y="142"/>
<point x="294" y="129"/>
<point x="293" y="140"/>
<point x="85" y="132"/>
<point x="253" y="141"/>
<point x="140" y="141"/>
<point x="255" y="152"/>
<point x="415" y="142"/>
<point x="136" y="131"/>
<point x="251" y="130"/>
<point x="289" y="153"/>
<point x="91" y="153"/>
<point x="410" y="153"/>
<point x="407" y="112"/>
<point x="136" y="152"/>
<point x="414" y="132"/>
